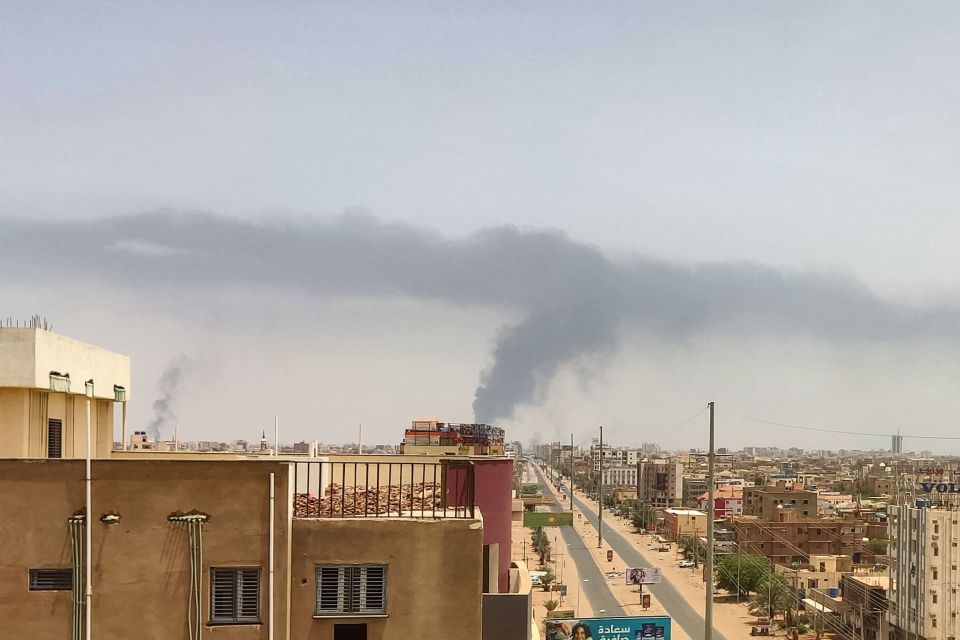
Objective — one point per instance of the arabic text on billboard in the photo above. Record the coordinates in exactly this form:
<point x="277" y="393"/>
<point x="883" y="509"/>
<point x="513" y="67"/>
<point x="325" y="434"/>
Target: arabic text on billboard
<point x="634" y="628"/>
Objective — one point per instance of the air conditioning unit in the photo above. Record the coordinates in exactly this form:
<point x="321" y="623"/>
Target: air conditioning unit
<point x="934" y="536"/>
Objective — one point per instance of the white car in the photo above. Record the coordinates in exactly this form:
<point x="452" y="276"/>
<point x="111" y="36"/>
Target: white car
<point x="686" y="564"/>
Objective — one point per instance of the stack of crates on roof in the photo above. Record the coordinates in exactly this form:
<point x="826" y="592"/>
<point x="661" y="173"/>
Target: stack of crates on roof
<point x="470" y="439"/>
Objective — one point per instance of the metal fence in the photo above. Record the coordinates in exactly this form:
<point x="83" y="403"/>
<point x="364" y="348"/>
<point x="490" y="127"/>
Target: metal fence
<point x="323" y="489"/>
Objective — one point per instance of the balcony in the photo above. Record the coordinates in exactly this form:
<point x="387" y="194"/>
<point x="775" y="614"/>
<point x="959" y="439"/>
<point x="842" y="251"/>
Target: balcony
<point x="429" y="490"/>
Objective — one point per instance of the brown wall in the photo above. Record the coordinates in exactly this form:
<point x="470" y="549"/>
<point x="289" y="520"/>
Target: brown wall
<point x="434" y="575"/>
<point x="141" y="565"/>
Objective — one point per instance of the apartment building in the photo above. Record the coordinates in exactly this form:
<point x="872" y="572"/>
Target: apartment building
<point x="620" y="475"/>
<point x="764" y="501"/>
<point x="613" y="456"/>
<point x="788" y="538"/>
<point x="661" y="483"/>
<point x="924" y="578"/>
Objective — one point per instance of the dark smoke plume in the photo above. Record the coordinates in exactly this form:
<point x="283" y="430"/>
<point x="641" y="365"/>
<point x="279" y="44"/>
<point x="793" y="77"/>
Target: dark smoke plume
<point x="571" y="297"/>
<point x="169" y="385"/>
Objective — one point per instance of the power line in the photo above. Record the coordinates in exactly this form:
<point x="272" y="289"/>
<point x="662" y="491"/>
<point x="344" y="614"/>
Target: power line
<point x="831" y="430"/>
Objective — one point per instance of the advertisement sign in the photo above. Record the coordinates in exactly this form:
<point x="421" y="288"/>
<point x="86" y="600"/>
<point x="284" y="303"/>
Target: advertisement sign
<point x="634" y="628"/>
<point x="548" y="518"/>
<point x="644" y="575"/>
<point x="529" y="489"/>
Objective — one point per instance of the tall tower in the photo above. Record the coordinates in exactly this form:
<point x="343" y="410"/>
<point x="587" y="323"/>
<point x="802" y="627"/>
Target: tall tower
<point x="896" y="446"/>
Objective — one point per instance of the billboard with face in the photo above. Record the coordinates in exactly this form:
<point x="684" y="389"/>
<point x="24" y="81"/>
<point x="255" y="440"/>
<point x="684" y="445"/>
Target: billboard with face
<point x="632" y="628"/>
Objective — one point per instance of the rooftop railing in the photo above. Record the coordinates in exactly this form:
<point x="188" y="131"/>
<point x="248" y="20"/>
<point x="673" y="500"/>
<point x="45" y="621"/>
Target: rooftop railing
<point x="323" y="489"/>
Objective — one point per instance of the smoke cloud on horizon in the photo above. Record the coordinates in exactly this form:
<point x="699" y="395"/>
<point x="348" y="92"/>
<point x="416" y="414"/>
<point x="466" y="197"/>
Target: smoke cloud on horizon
<point x="572" y="299"/>
<point x="168" y="385"/>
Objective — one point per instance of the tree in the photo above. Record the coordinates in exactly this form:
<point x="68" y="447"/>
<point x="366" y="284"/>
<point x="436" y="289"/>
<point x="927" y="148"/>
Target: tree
<point x="742" y="574"/>
<point x="773" y="596"/>
<point x="688" y="545"/>
<point x="877" y="546"/>
<point x="547" y="578"/>
<point x="642" y="518"/>
<point x="541" y="543"/>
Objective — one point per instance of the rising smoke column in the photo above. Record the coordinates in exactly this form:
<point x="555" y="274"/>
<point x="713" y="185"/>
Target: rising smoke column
<point x="168" y="384"/>
<point x="571" y="298"/>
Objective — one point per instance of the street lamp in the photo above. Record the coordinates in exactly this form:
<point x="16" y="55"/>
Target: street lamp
<point x="577" y="614"/>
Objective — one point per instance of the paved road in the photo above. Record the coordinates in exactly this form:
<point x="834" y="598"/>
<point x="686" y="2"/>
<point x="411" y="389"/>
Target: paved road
<point x="676" y="605"/>
<point x="597" y="592"/>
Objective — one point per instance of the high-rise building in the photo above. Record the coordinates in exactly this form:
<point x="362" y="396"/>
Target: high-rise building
<point x="924" y="577"/>
<point x="896" y="447"/>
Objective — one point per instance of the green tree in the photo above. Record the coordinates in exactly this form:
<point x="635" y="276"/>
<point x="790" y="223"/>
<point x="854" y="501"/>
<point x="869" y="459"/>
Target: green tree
<point x="541" y="543"/>
<point x="742" y="574"/>
<point x="548" y="578"/>
<point x="773" y="596"/>
<point x="688" y="545"/>
<point x="877" y="546"/>
<point x="642" y="518"/>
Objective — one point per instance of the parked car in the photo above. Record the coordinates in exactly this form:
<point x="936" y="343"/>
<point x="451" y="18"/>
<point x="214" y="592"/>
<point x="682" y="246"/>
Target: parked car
<point x="762" y="628"/>
<point x="686" y="564"/>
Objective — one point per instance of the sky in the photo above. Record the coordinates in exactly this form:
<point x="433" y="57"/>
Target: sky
<point x="547" y="216"/>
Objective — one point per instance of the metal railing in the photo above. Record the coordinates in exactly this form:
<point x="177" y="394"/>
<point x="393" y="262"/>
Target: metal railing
<point x="323" y="489"/>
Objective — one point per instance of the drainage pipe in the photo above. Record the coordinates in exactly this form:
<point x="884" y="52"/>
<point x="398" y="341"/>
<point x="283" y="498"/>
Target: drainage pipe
<point x="88" y="556"/>
<point x="273" y="513"/>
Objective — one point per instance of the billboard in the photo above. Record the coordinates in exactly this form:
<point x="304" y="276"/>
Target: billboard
<point x="548" y="518"/>
<point x="633" y="628"/>
<point x="644" y="575"/>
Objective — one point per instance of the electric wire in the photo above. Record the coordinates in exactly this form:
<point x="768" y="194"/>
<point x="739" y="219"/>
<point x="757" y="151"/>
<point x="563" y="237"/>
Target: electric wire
<point x="834" y="430"/>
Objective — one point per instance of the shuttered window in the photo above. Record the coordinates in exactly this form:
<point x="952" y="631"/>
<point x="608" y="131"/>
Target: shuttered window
<point x="234" y="596"/>
<point x="351" y="590"/>
<point x="51" y="579"/>
<point x="54" y="438"/>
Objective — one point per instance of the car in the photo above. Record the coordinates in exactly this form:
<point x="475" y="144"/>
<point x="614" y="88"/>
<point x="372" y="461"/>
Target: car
<point x="686" y="564"/>
<point x="535" y="581"/>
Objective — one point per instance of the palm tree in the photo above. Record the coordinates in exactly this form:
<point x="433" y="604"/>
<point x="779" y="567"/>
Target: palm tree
<point x="541" y="543"/>
<point x="773" y="596"/>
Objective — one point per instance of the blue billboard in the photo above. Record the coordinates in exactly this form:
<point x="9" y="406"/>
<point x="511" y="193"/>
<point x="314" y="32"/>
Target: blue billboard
<point x="633" y="628"/>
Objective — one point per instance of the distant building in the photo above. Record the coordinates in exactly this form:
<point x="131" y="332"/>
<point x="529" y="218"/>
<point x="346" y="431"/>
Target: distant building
<point x="429" y="436"/>
<point x="896" y="446"/>
<point x="661" y="483"/>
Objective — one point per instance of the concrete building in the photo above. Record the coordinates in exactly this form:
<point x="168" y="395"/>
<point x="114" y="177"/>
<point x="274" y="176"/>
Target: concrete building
<point x="924" y="578"/>
<point x="765" y="501"/>
<point x="45" y="382"/>
<point x="788" y="538"/>
<point x="613" y="456"/>
<point x="661" y="483"/>
<point x="727" y="502"/>
<point x="620" y="475"/>
<point x="679" y="523"/>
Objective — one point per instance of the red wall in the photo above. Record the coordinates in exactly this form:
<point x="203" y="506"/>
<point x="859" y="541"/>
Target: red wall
<point x="493" y="494"/>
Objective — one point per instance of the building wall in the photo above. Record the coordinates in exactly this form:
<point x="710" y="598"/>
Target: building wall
<point x="494" y="496"/>
<point x="924" y="575"/>
<point x="434" y="575"/>
<point x="27" y="356"/>
<point x="24" y="416"/>
<point x="140" y="565"/>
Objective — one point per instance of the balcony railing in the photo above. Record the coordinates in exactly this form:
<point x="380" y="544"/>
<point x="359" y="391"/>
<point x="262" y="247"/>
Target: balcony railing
<point x="399" y="489"/>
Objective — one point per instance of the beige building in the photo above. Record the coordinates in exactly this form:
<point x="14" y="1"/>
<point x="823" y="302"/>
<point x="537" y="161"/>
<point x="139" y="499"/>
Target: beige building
<point x="46" y="381"/>
<point x="194" y="543"/>
<point x="924" y="578"/>
<point x="765" y="502"/>
<point x="661" y="483"/>
<point x="680" y="523"/>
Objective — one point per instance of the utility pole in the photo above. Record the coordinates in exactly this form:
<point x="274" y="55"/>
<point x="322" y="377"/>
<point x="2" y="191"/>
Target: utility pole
<point x="708" y="608"/>
<point x="571" y="473"/>
<point x="600" y="496"/>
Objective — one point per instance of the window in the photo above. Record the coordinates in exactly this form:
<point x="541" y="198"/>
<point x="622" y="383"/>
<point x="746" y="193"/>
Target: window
<point x="351" y="590"/>
<point x="934" y="598"/>
<point x="935" y="574"/>
<point x="235" y="596"/>
<point x="54" y="438"/>
<point x="51" y="579"/>
<point x="936" y="551"/>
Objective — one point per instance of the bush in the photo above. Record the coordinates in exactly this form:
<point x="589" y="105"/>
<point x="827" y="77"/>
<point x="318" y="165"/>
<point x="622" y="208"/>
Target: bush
<point x="550" y="605"/>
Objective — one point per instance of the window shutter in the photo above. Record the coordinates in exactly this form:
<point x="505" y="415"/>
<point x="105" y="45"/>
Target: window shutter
<point x="373" y="589"/>
<point x="54" y="438"/>
<point x="331" y="590"/>
<point x="223" y="595"/>
<point x="51" y="579"/>
<point x="248" y="594"/>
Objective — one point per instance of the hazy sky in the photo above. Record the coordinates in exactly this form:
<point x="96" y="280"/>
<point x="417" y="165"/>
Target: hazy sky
<point x="759" y="203"/>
